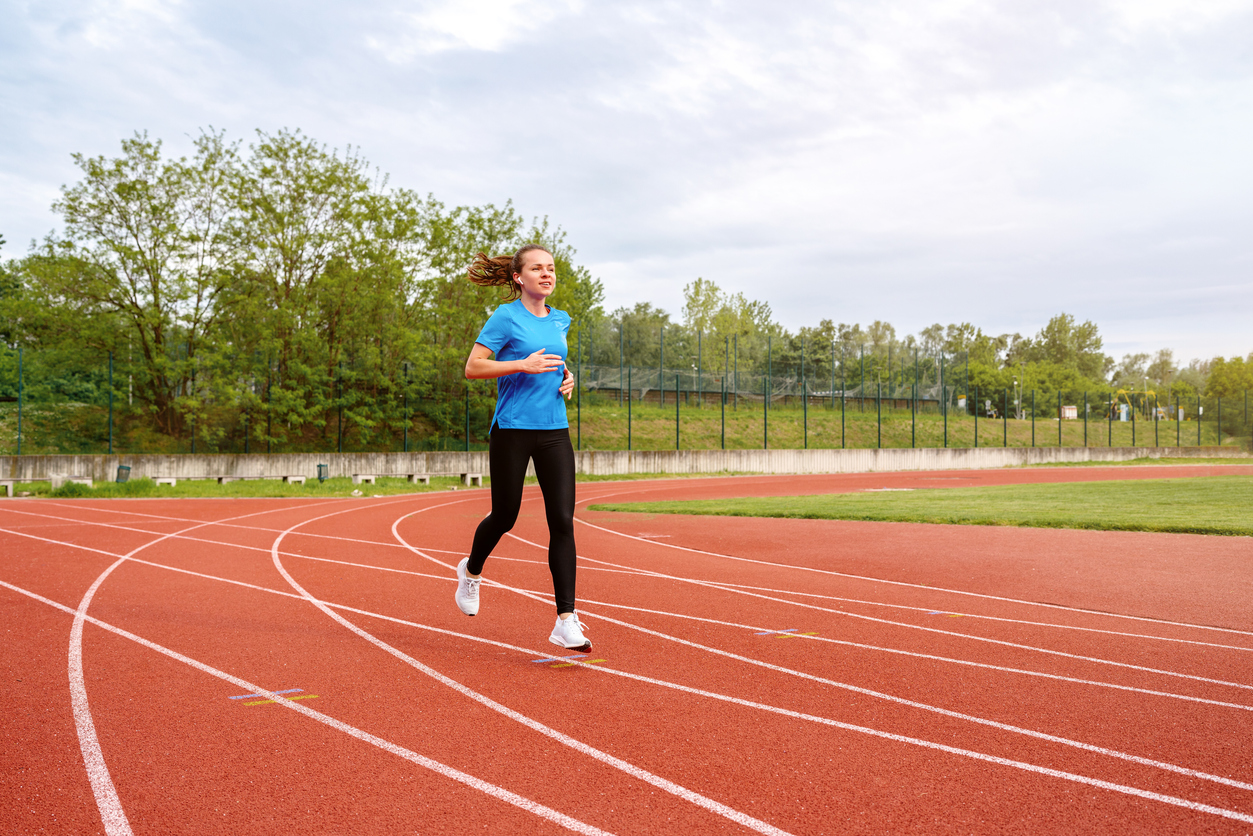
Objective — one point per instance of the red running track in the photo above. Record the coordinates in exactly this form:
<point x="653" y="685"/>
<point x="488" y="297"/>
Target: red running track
<point x="754" y="676"/>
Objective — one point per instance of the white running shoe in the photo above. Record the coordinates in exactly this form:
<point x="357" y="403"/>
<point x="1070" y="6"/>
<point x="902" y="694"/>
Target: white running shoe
<point x="467" y="596"/>
<point x="568" y="633"/>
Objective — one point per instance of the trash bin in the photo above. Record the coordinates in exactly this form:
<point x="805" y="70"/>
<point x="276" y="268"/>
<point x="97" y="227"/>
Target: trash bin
<point x="324" y="472"/>
<point x="123" y="472"/>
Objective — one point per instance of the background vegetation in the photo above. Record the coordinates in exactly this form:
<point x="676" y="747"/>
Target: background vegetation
<point x="285" y="296"/>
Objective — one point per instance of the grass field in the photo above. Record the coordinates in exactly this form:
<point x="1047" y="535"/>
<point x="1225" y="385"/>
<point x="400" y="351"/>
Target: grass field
<point x="1202" y="505"/>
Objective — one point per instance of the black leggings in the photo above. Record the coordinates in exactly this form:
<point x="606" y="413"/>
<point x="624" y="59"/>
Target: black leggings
<point x="509" y="451"/>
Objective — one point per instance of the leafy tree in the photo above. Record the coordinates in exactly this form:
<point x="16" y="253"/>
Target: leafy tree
<point x="1065" y="343"/>
<point x="1229" y="378"/>
<point x="145" y="256"/>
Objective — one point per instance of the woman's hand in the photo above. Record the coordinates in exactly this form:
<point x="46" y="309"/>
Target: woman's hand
<point x="567" y="383"/>
<point x="539" y="362"/>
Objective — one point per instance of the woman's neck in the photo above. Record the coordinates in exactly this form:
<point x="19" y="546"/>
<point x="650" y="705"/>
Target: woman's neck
<point x="534" y="304"/>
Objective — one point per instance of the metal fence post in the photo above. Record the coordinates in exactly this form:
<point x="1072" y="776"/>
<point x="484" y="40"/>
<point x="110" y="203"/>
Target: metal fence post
<point x="913" y="428"/>
<point x="861" y="384"/>
<point x="765" y="413"/>
<point x="878" y="406"/>
<point x="723" y="402"/>
<point x="339" y="432"/>
<point x="766" y="403"/>
<point x="1198" y="420"/>
<point x="1220" y="420"/>
<point x="699" y="388"/>
<point x="676" y="411"/>
<point x="628" y="408"/>
<point x="406" y="410"/>
<point x="1059" y="418"/>
<point x="944" y="400"/>
<point x="19" y="401"/>
<point x="269" y="406"/>
<point x="193" y="426"/>
<point x="843" y="397"/>
<point x="661" y="364"/>
<point x="1004" y="417"/>
<point x="805" y="410"/>
<point x="1085" y="419"/>
<point x="1033" y="418"/>
<point x="976" y="405"/>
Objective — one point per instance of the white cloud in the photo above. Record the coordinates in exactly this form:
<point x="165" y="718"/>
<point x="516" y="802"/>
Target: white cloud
<point x="481" y="25"/>
<point x="939" y="160"/>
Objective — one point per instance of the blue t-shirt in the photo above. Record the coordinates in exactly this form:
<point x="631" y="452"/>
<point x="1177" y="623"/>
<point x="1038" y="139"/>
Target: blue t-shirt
<point x="527" y="401"/>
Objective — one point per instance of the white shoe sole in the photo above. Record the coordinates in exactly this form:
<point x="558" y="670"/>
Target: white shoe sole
<point x="586" y="647"/>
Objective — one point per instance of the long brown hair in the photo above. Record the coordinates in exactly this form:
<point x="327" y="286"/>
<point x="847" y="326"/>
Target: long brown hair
<point x="499" y="271"/>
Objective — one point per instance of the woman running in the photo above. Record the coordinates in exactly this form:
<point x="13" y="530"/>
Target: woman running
<point x="529" y="340"/>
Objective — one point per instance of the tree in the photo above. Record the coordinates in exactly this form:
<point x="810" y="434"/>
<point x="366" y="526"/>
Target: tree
<point x="145" y="256"/>
<point x="1071" y="345"/>
<point x="1229" y="378"/>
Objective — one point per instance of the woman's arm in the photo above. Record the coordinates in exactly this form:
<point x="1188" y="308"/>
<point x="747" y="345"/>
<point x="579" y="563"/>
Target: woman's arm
<point x="480" y="367"/>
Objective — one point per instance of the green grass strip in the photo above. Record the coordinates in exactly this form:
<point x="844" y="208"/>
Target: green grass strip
<point x="1201" y="505"/>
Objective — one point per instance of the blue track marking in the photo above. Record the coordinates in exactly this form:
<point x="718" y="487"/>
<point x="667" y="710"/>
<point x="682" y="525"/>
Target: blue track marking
<point x="777" y="632"/>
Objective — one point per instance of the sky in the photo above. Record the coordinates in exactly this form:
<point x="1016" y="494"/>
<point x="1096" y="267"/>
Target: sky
<point x="916" y="162"/>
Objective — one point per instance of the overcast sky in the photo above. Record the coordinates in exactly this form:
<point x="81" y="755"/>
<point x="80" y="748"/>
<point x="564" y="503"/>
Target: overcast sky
<point x="916" y="162"/>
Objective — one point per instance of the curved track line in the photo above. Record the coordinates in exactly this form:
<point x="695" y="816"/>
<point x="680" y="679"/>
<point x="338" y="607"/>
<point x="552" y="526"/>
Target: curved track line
<point x="874" y="732"/>
<point x="643" y="572"/>
<point x="718" y="584"/>
<point x="637" y="772"/>
<point x="110" y="806"/>
<point x="906" y="625"/>
<point x="435" y="766"/>
<point x="911" y="703"/>
<point x="112" y="814"/>
<point x="917" y="585"/>
<point x="530" y="806"/>
<point x="879" y="648"/>
<point x="638" y="573"/>
<point x="987" y="617"/>
<point x="934" y="658"/>
<point x="1167" y="799"/>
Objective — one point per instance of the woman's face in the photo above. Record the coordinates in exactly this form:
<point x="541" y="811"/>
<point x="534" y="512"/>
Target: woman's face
<point x="539" y="276"/>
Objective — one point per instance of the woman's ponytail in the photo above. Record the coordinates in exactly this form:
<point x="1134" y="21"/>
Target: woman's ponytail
<point x="499" y="271"/>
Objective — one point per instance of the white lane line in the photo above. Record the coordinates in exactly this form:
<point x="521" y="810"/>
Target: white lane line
<point x="1082" y="779"/>
<point x="604" y="757"/>
<point x="667" y="613"/>
<point x="643" y="573"/>
<point x="413" y="757"/>
<point x="726" y="698"/>
<point x="1089" y="747"/>
<point x="112" y="814"/>
<point x="725" y="585"/>
<point x="908" y="626"/>
<point x="785" y="566"/>
<point x="1093" y="682"/>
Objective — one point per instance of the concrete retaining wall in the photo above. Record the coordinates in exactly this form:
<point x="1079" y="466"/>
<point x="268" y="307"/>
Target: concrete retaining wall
<point x="606" y="463"/>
